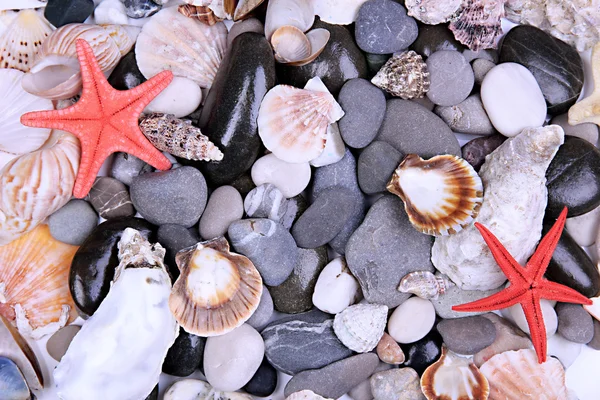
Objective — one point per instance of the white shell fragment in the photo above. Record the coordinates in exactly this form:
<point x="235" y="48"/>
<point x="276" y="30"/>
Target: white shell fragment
<point x="424" y="284"/>
<point x="433" y="12"/>
<point x="338" y="12"/>
<point x="336" y="288"/>
<point x="194" y="389"/>
<point x="118" y="353"/>
<point x="360" y="327"/>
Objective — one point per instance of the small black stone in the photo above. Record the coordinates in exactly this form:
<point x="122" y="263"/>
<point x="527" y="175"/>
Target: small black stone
<point x="434" y="38"/>
<point x="126" y="74"/>
<point x="264" y="381"/>
<point x="154" y="394"/>
<point x="422" y="353"/>
<point x="185" y="355"/>
<point x="140" y="8"/>
<point x="63" y="12"/>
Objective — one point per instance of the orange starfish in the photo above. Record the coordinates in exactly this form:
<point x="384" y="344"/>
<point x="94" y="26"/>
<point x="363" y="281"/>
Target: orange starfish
<point x="105" y="120"/>
<point x="527" y="285"/>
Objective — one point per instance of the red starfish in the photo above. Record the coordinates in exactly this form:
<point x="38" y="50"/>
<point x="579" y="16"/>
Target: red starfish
<point x="105" y="120"/>
<point x="527" y="285"/>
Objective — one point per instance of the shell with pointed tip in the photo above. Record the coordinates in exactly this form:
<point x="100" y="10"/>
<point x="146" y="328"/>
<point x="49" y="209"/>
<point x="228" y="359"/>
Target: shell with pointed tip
<point x="404" y="75"/>
<point x="194" y="389"/>
<point x="244" y="8"/>
<point x="34" y="273"/>
<point x="478" y="24"/>
<point x="217" y="290"/>
<point x="338" y="12"/>
<point x="35" y="185"/>
<point x="360" y="327"/>
<point x="14" y="346"/>
<point x="22" y="39"/>
<point x="516" y="375"/>
<point x="298" y="13"/>
<point x="441" y="195"/>
<point x="188" y="48"/>
<point x="433" y="12"/>
<point x="17" y="139"/>
<point x="424" y="284"/>
<point x="201" y="13"/>
<point x="292" y="122"/>
<point x="453" y="377"/>
<point x="55" y="72"/>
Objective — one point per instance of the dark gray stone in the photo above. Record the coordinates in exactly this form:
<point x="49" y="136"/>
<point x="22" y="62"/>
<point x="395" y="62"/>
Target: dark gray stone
<point x="475" y="151"/>
<point x="376" y="165"/>
<point x="595" y="342"/>
<point x="63" y="12"/>
<point x="468" y="116"/>
<point x="110" y="198"/>
<point x="467" y="335"/>
<point x="574" y="323"/>
<point x="451" y="78"/>
<point x="263" y="313"/>
<point x="141" y="8"/>
<point x="125" y="76"/>
<point x="174" y="238"/>
<point x="376" y="61"/>
<point x="264" y="381"/>
<point x="73" y="222"/>
<point x="185" y="356"/>
<point x="434" y="38"/>
<point x="125" y="167"/>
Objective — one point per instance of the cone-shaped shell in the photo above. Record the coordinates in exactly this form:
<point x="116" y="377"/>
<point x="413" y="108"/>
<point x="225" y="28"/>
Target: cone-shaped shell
<point x="217" y="290"/>
<point x="14" y="346"/>
<point x="188" y="48"/>
<point x="517" y="375"/>
<point x="453" y="377"/>
<point x="404" y="75"/>
<point x="35" y="185"/>
<point x="34" y="276"/>
<point x="360" y="327"/>
<point x="478" y="23"/>
<point x="292" y="122"/>
<point x="441" y="195"/>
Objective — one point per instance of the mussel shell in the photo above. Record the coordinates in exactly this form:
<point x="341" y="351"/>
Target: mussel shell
<point x="12" y="382"/>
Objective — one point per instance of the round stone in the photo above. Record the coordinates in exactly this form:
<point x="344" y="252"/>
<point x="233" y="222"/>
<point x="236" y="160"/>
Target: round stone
<point x="110" y="198"/>
<point x="411" y="320"/>
<point x="434" y="38"/>
<point x="336" y="288"/>
<point x="422" y="353"/>
<point x="481" y="67"/>
<point x="574" y="323"/>
<point x="467" y="335"/>
<point x="266" y="201"/>
<point x="264" y="381"/>
<point x="290" y="178"/>
<point x="182" y="97"/>
<point x="73" y="223"/>
<point x="475" y="151"/>
<point x="246" y="25"/>
<point x="224" y="206"/>
<point x="59" y="342"/>
<point x="467" y="117"/>
<point x="263" y="313"/>
<point x="174" y="238"/>
<point x="125" y="76"/>
<point x="584" y="228"/>
<point x="451" y="78"/>
<point x="515" y="314"/>
<point x="455" y="295"/>
<point x="376" y="164"/>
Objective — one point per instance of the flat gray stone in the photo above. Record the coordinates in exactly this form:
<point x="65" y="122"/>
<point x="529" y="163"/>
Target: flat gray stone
<point x="467" y="117"/>
<point x="574" y="323"/>
<point x="451" y="78"/>
<point x="73" y="222"/>
<point x="467" y="335"/>
<point x="376" y="165"/>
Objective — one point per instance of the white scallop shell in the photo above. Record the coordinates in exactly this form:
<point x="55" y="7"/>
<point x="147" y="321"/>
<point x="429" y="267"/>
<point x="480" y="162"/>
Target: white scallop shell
<point x="339" y="12"/>
<point x="188" y="48"/>
<point x="194" y="389"/>
<point x="360" y="327"/>
<point x="298" y="13"/>
<point x="15" y="138"/>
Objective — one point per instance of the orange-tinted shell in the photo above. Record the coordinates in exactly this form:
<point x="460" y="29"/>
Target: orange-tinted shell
<point x="201" y="13"/>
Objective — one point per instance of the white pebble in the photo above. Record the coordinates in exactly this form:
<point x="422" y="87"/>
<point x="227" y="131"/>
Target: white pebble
<point x="290" y="178"/>
<point x="334" y="148"/>
<point x="336" y="288"/>
<point x="563" y="349"/>
<point x="517" y="316"/>
<point x="111" y="12"/>
<point x="182" y="97"/>
<point x="584" y="228"/>
<point x="411" y="320"/>
<point x="513" y="99"/>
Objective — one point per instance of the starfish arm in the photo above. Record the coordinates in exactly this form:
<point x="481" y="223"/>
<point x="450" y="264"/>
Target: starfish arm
<point x="93" y="88"/>
<point x="89" y="166"/>
<point x="555" y="291"/>
<point x="535" y="321"/>
<point x="503" y="299"/>
<point x="538" y="263"/>
<point x="139" y="146"/>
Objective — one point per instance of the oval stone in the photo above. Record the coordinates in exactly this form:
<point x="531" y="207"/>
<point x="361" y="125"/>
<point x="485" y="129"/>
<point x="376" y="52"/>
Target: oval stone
<point x="421" y="354"/>
<point x="467" y="335"/>
<point x="185" y="356"/>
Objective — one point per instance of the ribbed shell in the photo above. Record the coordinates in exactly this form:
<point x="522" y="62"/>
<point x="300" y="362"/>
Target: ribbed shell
<point x="517" y="375"/>
<point x="200" y="13"/>
<point x="292" y="122"/>
<point x="217" y="290"/>
<point x="299" y="13"/>
<point x="290" y="44"/>
<point x="404" y="75"/>
<point x="35" y="185"/>
<point x="360" y="327"/>
<point x="441" y="195"/>
<point x="34" y="271"/>
<point x="188" y="48"/>
<point x="478" y="23"/>
<point x="424" y="284"/>
<point x="433" y="12"/>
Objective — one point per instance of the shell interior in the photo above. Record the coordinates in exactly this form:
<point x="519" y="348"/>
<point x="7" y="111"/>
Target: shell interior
<point x="298" y="13"/>
<point x="290" y="44"/>
<point x="12" y="383"/>
<point x="14" y="346"/>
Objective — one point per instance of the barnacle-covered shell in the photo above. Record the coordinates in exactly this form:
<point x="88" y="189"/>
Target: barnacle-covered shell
<point x="359" y="327"/>
<point x="441" y="195"/>
<point x="188" y="48"/>
<point x="12" y="382"/>
<point x="432" y="12"/>
<point x="424" y="284"/>
<point x="55" y="72"/>
<point x="292" y="122"/>
<point x="404" y="75"/>
<point x="21" y="40"/>
<point x="517" y="375"/>
<point x="453" y="377"/>
<point x="293" y="47"/>
<point x="298" y="13"/>
<point x="478" y="25"/>
<point x="217" y="290"/>
<point x="14" y="346"/>
<point x="178" y="137"/>
<point x="34" y="276"/>
<point x="201" y="13"/>
<point x="194" y="389"/>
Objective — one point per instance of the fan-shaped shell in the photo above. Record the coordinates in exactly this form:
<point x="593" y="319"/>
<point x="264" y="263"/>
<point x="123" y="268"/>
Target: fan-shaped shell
<point x="17" y="139"/>
<point x="360" y="327"/>
<point x="292" y="122"/>
<point x="55" y="72"/>
<point x="22" y="39"/>
<point x="290" y="44"/>
<point x="217" y="290"/>
<point x="478" y="23"/>
<point x="34" y="274"/>
<point x="35" y="185"/>
<point x="441" y="195"/>
<point x="188" y="48"/>
<point x="404" y="75"/>
<point x="298" y="13"/>
<point x="517" y="375"/>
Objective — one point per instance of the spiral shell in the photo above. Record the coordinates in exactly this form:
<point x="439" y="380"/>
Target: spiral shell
<point x="478" y="23"/>
<point x="404" y="75"/>
<point x="360" y="327"/>
<point x="424" y="284"/>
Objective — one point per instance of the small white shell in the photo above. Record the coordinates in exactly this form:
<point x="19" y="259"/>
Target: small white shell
<point x="360" y="327"/>
<point x="339" y="12"/>
<point x="424" y="284"/>
<point x="194" y="389"/>
<point x="290" y="44"/>
<point x="298" y="13"/>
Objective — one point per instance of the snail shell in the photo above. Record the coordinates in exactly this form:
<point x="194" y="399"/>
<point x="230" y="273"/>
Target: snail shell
<point x="424" y="284"/>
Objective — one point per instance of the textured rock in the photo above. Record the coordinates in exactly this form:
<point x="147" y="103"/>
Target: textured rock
<point x="451" y="78"/>
<point x="224" y="206"/>
<point x="396" y="384"/>
<point x="376" y="165"/>
<point x="73" y="222"/>
<point x="574" y="323"/>
<point x="467" y="117"/>
<point x="263" y="313"/>
<point x="110" y="198"/>
<point x="467" y="335"/>
<point x="389" y="351"/>
<point x="185" y="355"/>
<point x="362" y="391"/>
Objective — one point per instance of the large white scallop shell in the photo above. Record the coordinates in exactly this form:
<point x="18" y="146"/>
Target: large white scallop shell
<point x="15" y="138"/>
<point x="188" y="48"/>
<point x="360" y="327"/>
<point x="298" y="13"/>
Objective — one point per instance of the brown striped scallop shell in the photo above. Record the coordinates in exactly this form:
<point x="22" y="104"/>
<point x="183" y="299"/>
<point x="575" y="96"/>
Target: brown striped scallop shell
<point x="201" y="13"/>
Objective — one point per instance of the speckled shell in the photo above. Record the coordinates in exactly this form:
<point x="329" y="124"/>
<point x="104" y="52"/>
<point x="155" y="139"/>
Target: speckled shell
<point x="360" y="327"/>
<point x="207" y="303"/>
<point x="404" y="75"/>
<point x="200" y="13"/>
<point x="441" y="195"/>
<point x="453" y="377"/>
<point x="34" y="275"/>
<point x="194" y="389"/>
<point x="433" y="12"/>
<point x="516" y="375"/>
<point x="478" y="24"/>
<point x="424" y="284"/>
<point x="35" y="185"/>
<point x="188" y="48"/>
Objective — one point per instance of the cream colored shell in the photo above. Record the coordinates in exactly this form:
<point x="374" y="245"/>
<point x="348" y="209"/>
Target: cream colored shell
<point x="293" y="47"/>
<point x="360" y="326"/>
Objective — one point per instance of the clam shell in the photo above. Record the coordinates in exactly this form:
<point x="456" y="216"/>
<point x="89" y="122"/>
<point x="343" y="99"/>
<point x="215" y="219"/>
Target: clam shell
<point x="244" y="8"/>
<point x="34" y="271"/>
<point x="441" y="195"/>
<point x="453" y="377"/>
<point x="200" y="13"/>
<point x="17" y="139"/>
<point x="290" y="44"/>
<point x="404" y="75"/>
<point x="194" y="389"/>
<point x="188" y="48"/>
<point x="12" y="383"/>
<point x="35" y="185"/>
<point x="516" y="375"/>
<point x="360" y="327"/>
<point x="433" y="12"/>
<point x="55" y="72"/>
<point x="13" y="346"/>
<point x="478" y="23"/>
<point x="292" y="122"/>
<point x="298" y="13"/>
<point x="217" y="290"/>
<point x="338" y="12"/>
<point x="22" y="39"/>
<point x="424" y="284"/>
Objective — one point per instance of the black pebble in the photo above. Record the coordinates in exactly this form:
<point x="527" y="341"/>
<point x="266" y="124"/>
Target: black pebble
<point x="422" y="353"/>
<point x="63" y="12"/>
<point x="154" y="394"/>
<point x="185" y="355"/>
<point x="264" y="381"/>
<point x="126" y="74"/>
<point x="174" y="238"/>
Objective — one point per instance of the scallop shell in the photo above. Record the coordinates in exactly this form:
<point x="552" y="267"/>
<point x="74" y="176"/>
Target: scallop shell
<point x="478" y="24"/>
<point x="34" y="271"/>
<point x="424" y="284"/>
<point x="55" y="72"/>
<point x="453" y="377"/>
<point x="17" y="139"/>
<point x="404" y="75"/>
<point x="200" y="13"/>
<point x="244" y="8"/>
<point x="217" y="290"/>
<point x="360" y="327"/>
<point x="290" y="44"/>
<point x="292" y="122"/>
<point x="35" y="185"/>
<point x="13" y="346"/>
<point x="516" y="375"/>
<point x="441" y="195"/>
<point x="188" y="48"/>
<point x="433" y="12"/>
<point x="12" y="382"/>
<point x="338" y="12"/>
<point x="194" y="389"/>
<point x="298" y="13"/>
<point x="22" y="39"/>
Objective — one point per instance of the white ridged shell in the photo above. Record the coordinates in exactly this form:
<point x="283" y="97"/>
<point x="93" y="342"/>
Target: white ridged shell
<point x="194" y="389"/>
<point x="360" y="327"/>
<point x="290" y="44"/>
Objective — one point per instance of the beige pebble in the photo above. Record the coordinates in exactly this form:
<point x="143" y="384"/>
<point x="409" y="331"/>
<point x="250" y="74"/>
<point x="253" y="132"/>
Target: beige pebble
<point x="58" y="343"/>
<point x="389" y="351"/>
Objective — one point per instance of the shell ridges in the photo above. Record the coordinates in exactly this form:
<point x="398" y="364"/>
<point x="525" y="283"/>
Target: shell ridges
<point x="360" y="326"/>
<point x="404" y="75"/>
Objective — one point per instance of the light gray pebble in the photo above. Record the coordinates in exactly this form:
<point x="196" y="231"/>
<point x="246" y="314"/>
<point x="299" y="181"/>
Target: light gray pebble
<point x="125" y="167"/>
<point x="396" y="384"/>
<point x="486" y="54"/>
<point x="362" y="391"/>
<point x="574" y="323"/>
<point x="224" y="206"/>
<point x="425" y="102"/>
<point x="595" y="342"/>
<point x="587" y="131"/>
<point x="481" y="67"/>
<point x="73" y="223"/>
<point x="467" y="335"/>
<point x="264" y="312"/>
<point x="451" y="78"/>
<point x="294" y="209"/>
<point x="376" y="165"/>
<point x="59" y="342"/>
<point x="467" y="117"/>
<point x="455" y="295"/>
